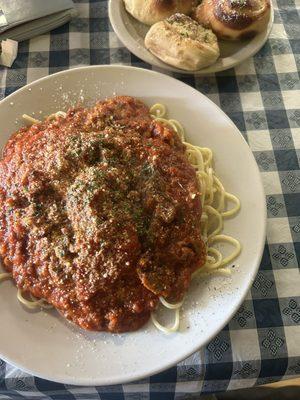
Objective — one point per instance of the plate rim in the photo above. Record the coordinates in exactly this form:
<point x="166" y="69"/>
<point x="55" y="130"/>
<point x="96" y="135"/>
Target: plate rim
<point x="126" y="40"/>
<point x="257" y="259"/>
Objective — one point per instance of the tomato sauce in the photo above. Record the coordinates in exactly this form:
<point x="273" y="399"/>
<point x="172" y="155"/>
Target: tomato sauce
<point x="100" y="214"/>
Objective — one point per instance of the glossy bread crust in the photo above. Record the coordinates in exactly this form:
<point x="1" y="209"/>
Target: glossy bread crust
<point x="234" y="19"/>
<point x="151" y="11"/>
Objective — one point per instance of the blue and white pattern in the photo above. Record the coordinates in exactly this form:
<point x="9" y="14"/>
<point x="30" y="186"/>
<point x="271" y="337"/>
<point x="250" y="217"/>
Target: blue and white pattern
<point x="262" y="96"/>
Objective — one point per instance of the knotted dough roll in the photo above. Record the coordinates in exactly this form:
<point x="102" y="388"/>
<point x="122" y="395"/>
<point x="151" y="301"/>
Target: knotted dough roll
<point x="183" y="43"/>
<point x="151" y="11"/>
<point x="234" y="19"/>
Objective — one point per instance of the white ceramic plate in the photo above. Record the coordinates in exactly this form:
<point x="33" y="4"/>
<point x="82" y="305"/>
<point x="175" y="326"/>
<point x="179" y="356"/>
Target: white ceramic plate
<point x="132" y="34"/>
<point x="43" y="343"/>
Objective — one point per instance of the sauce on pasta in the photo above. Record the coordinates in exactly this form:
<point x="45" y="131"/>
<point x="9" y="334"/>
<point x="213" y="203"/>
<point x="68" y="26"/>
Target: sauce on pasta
<point x="100" y="214"/>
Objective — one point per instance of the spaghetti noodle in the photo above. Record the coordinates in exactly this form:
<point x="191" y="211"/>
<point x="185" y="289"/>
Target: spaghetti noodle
<point x="32" y="302"/>
<point x="214" y="200"/>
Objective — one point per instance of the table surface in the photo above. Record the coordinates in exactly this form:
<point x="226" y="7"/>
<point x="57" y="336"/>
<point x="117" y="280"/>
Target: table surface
<point x="262" y="96"/>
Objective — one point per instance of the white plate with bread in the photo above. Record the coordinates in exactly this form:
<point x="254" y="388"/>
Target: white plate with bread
<point x="192" y="37"/>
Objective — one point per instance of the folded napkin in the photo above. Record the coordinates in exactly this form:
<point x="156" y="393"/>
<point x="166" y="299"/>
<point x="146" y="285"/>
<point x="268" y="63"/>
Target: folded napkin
<point x="24" y="19"/>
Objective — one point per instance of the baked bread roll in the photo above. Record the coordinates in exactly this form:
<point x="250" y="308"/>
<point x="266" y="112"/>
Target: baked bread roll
<point x="182" y="42"/>
<point x="234" y="19"/>
<point x="151" y="11"/>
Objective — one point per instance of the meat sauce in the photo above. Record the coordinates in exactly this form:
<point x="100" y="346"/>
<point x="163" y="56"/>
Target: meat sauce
<point x="100" y="214"/>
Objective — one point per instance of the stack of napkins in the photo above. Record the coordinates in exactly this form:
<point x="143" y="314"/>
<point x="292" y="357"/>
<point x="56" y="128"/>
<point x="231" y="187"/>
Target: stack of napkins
<point x="24" y="19"/>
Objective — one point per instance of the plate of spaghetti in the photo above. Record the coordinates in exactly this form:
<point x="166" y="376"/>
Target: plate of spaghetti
<point x="132" y="224"/>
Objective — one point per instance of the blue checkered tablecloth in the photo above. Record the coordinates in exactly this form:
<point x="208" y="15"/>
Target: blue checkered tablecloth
<point x="262" y="96"/>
